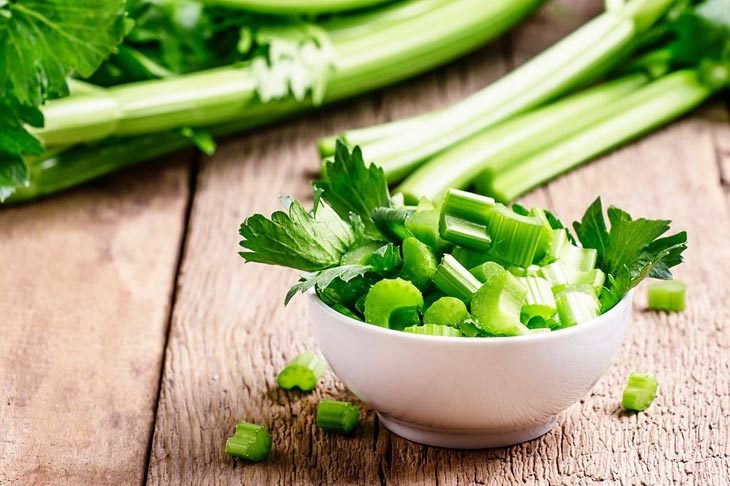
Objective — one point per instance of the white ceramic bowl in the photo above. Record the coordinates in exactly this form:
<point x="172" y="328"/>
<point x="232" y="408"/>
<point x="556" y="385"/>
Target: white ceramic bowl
<point x="466" y="392"/>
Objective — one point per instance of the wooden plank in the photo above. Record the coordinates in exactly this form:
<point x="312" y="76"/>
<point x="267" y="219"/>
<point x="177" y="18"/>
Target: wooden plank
<point x="86" y="286"/>
<point x="230" y="333"/>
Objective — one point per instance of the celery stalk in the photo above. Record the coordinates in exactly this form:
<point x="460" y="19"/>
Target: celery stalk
<point x="289" y="7"/>
<point x="362" y="62"/>
<point x="513" y="140"/>
<point x="577" y="59"/>
<point x="652" y="106"/>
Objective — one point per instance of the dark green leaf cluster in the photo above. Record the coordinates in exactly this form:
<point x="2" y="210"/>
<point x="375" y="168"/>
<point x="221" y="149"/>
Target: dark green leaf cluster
<point x="42" y="42"/>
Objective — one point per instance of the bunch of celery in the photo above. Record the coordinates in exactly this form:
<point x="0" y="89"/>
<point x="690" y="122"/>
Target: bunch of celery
<point x="186" y="71"/>
<point x="462" y="266"/>
<point x="637" y="66"/>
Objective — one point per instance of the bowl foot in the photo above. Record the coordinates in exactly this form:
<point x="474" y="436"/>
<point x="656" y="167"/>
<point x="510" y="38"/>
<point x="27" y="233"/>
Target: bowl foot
<point x="466" y="438"/>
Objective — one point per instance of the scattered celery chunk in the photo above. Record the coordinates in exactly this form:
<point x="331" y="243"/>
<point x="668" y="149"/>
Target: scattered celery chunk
<point x="337" y="416"/>
<point x="540" y="300"/>
<point x="419" y="262"/>
<point x="388" y="296"/>
<point x="497" y="304"/>
<point x="576" y="258"/>
<point x="251" y="442"/>
<point x="453" y="279"/>
<point x="639" y="392"/>
<point x="668" y="295"/>
<point x="424" y="225"/>
<point x="515" y="237"/>
<point x="577" y="304"/>
<point x="447" y="311"/>
<point x="302" y="372"/>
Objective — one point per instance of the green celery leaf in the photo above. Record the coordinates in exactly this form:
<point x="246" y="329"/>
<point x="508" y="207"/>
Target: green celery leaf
<point x="350" y="186"/>
<point x="386" y="260"/>
<point x="324" y="278"/>
<point x="298" y="239"/>
<point x="630" y="250"/>
<point x="702" y="32"/>
<point x="43" y="41"/>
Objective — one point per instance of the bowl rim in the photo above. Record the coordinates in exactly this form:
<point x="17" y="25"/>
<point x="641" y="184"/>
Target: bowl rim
<point x="627" y="300"/>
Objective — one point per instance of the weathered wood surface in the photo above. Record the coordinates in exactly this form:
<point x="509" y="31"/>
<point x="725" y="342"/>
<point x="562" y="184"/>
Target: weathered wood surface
<point x="89" y="285"/>
<point x="86" y="286"/>
<point x="230" y="334"/>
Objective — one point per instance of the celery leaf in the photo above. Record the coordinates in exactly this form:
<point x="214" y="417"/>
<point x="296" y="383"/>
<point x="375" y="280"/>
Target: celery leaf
<point x="298" y="238"/>
<point x="351" y="186"/>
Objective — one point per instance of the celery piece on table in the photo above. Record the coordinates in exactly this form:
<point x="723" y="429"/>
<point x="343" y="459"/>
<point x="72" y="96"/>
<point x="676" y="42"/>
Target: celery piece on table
<point x="639" y="392"/>
<point x="667" y="296"/>
<point x="337" y="416"/>
<point x="302" y="372"/>
<point x="251" y="442"/>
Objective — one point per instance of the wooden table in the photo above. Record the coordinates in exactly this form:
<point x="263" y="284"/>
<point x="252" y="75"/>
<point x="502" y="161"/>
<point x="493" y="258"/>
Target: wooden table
<point x="133" y="337"/>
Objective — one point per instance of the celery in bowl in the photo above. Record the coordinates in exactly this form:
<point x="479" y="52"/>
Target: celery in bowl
<point x="468" y="393"/>
<point x="462" y="321"/>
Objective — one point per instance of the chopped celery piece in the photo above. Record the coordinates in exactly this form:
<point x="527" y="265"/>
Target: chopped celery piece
<point x="668" y="296"/>
<point x="640" y="392"/>
<point x="434" y="330"/>
<point x="463" y="232"/>
<point x="302" y="372"/>
<point x="539" y="322"/>
<point x="558" y="240"/>
<point x="560" y="277"/>
<point x="447" y="311"/>
<point x="432" y="297"/>
<point x="360" y="254"/>
<point x="577" y="304"/>
<point x="337" y="416"/>
<point x="514" y="237"/>
<point x="469" y="258"/>
<point x="392" y="222"/>
<point x="251" y="442"/>
<point x="497" y="304"/>
<point x="546" y="233"/>
<point x="576" y="258"/>
<point x="540" y="330"/>
<point x="455" y="280"/>
<point x="402" y="318"/>
<point x="388" y="296"/>
<point x="467" y="205"/>
<point x="468" y="328"/>
<point x="540" y="300"/>
<point x="531" y="271"/>
<point x="424" y="225"/>
<point x="419" y="262"/>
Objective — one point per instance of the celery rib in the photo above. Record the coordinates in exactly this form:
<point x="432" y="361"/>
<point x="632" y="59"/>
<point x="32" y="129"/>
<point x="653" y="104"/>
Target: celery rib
<point x="654" y="105"/>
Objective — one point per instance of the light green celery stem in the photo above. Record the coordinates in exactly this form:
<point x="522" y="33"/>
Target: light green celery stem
<point x="580" y="57"/>
<point x="652" y="106"/>
<point x="59" y="171"/>
<point x="221" y="95"/>
<point x="513" y="140"/>
<point x="295" y="7"/>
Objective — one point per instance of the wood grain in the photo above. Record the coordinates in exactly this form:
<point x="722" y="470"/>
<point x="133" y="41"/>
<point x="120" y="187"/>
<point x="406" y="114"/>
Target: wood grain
<point x="86" y="286"/>
<point x="230" y="334"/>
